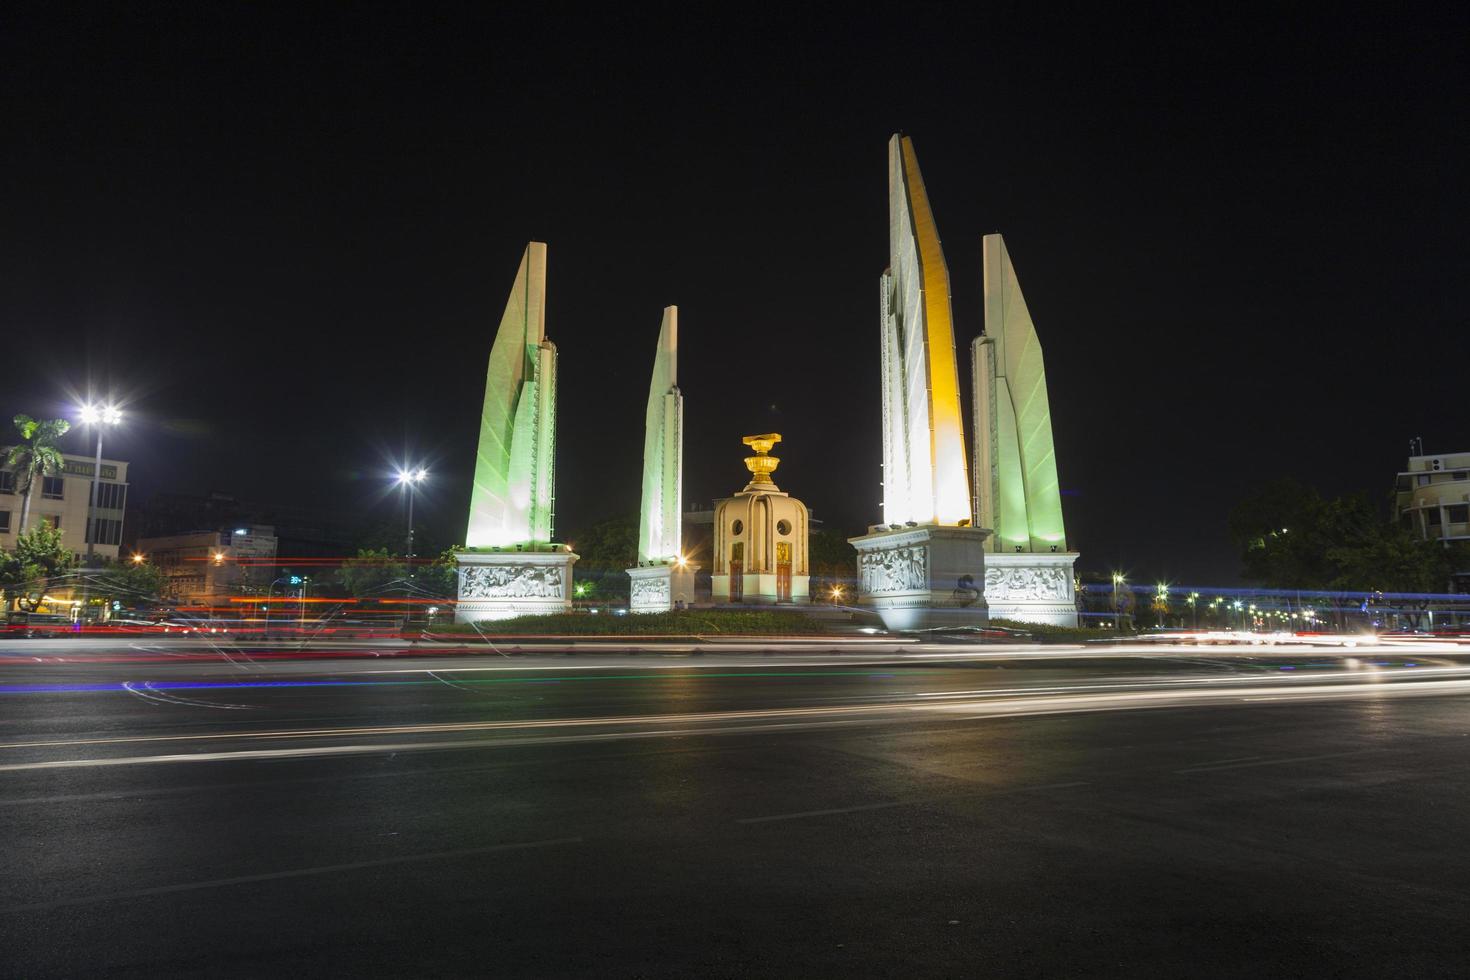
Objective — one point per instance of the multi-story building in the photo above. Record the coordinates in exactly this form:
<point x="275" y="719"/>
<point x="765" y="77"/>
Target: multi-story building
<point x="209" y="566"/>
<point x="1433" y="499"/>
<point x="62" y="502"/>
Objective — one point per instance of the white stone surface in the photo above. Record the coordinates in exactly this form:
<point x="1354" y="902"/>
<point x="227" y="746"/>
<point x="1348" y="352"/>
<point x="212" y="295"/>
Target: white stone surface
<point x="923" y="577"/>
<point x="660" y="588"/>
<point x="514" y="484"/>
<point x="660" y="527"/>
<point x="925" y="476"/>
<point x="1032" y="587"/>
<point x="1015" y="479"/>
<point x="505" y="584"/>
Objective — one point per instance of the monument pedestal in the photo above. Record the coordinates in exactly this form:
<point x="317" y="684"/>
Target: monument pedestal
<point x="506" y="584"/>
<point x="923" y="577"/>
<point x="1031" y="587"/>
<point x="660" y="588"/>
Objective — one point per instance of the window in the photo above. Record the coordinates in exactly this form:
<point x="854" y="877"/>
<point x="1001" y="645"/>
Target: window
<point x="52" y="521"/>
<point x="110" y="496"/>
<point x="1431" y="516"/>
<point x="4" y="522"/>
<point x="106" y="531"/>
<point x="52" y="486"/>
<point x="737" y="528"/>
<point x="1462" y="474"/>
<point x="1458" y="513"/>
<point x="1424" y="479"/>
<point x="7" y="481"/>
<point x="783" y="527"/>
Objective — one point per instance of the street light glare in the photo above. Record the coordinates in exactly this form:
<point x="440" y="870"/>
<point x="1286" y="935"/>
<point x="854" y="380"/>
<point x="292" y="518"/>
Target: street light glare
<point x="104" y="414"/>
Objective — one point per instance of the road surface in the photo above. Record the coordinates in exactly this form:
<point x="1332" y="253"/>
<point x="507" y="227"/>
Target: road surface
<point x="939" y="811"/>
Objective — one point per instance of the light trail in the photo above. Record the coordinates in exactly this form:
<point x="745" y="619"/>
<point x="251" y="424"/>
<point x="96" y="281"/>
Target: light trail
<point x="613" y="728"/>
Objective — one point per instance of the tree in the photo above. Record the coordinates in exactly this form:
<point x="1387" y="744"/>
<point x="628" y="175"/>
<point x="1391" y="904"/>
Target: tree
<point x="440" y="578"/>
<point x="1292" y="538"/>
<point x="605" y="551"/>
<point x="831" y="562"/>
<point x="1280" y="532"/>
<point x="131" y="583"/>
<point x="35" y="456"/>
<point x="371" y="572"/>
<point x="39" y="557"/>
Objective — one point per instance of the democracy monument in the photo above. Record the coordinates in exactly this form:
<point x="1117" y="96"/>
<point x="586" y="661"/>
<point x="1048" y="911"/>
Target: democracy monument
<point x="971" y="529"/>
<point x="510" y="567"/>
<point x="957" y="546"/>
<point x="663" y="578"/>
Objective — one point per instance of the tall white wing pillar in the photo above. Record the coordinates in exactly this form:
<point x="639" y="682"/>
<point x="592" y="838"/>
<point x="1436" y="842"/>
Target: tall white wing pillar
<point x="924" y="566"/>
<point x="659" y="532"/>
<point x="1016" y="488"/>
<point x="1029" y="573"/>
<point x="663" y="579"/>
<point x="514" y="492"/>
<point x="925" y="476"/>
<point x="510" y="567"/>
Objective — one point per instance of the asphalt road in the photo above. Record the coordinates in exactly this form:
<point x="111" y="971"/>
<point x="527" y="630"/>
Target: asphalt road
<point x="1157" y="812"/>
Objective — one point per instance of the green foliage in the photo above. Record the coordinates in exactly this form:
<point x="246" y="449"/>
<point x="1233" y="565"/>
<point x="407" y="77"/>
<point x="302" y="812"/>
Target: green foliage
<point x="38" y="557"/>
<point x="606" y="550"/>
<point x="685" y="622"/>
<point x="130" y="583"/>
<point x="372" y="572"/>
<point x="35" y="455"/>
<point x="441" y="577"/>
<point x="831" y="560"/>
<point x="1292" y="538"/>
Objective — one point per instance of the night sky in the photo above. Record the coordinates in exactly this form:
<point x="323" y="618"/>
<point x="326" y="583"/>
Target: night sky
<point x="284" y="240"/>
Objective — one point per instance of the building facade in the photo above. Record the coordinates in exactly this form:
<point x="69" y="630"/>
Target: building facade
<point x="1433" y="501"/>
<point x="207" y="567"/>
<point x="62" y="501"/>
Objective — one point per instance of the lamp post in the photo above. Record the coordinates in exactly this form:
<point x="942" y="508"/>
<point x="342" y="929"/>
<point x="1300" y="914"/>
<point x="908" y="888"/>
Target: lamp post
<point x="1118" y="581"/>
<point x="409" y="480"/>
<point x="96" y="416"/>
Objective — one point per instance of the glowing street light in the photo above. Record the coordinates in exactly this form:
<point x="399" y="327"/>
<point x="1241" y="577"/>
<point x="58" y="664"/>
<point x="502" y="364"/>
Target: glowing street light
<point x="409" y="480"/>
<point x="97" y="417"/>
<point x="137" y="558"/>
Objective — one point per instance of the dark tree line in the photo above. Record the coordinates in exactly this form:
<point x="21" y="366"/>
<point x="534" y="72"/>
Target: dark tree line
<point x="1291" y="537"/>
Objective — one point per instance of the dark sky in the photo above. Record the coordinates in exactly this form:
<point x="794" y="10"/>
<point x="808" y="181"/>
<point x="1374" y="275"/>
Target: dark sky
<point x="285" y="240"/>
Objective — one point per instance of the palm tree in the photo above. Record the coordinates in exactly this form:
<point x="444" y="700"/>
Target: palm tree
<point x="35" y="456"/>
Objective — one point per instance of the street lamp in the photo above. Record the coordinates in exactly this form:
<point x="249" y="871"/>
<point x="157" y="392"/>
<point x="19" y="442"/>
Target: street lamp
<point x="1118" y="580"/>
<point x="96" y="416"/>
<point x="409" y="480"/>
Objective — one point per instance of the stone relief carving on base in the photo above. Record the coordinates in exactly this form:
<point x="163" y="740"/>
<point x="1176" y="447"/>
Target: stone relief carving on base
<point x="895" y="570"/>
<point x="1019" y="584"/>
<point x="650" y="591"/>
<point x="510" y="582"/>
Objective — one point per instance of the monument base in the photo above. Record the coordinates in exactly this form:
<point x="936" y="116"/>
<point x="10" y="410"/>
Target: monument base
<point x="506" y="584"/>
<point x="1031" y="587"/>
<point x="660" y="588"/>
<point x="923" y="577"/>
<point x="761" y="589"/>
